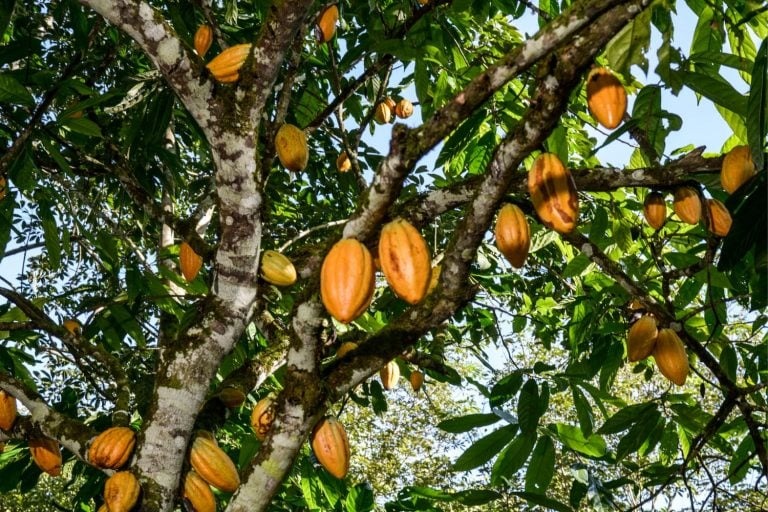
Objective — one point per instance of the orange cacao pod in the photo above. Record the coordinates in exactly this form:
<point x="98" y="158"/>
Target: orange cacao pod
<point x="606" y="97"/>
<point x="212" y="464"/>
<point x="513" y="235"/>
<point x="225" y="67"/>
<point x="46" y="454"/>
<point x="73" y="326"/>
<point x="670" y="356"/>
<point x="347" y="280"/>
<point x="326" y="23"/>
<point x="345" y="348"/>
<point x="737" y="168"/>
<point x="343" y="163"/>
<point x="655" y="209"/>
<point x="3" y="188"/>
<point x="197" y="494"/>
<point x="382" y="113"/>
<point x="203" y="39"/>
<point x="262" y="416"/>
<point x="405" y="260"/>
<point x="291" y="146"/>
<point x="189" y="261"/>
<point x="404" y="109"/>
<point x="112" y="448"/>
<point x="389" y="375"/>
<point x="277" y="269"/>
<point x="7" y="410"/>
<point x="687" y="205"/>
<point x="121" y="492"/>
<point x="642" y="338"/>
<point x="719" y="218"/>
<point x="417" y="380"/>
<point x="231" y="397"/>
<point x="331" y="446"/>
<point x="553" y="193"/>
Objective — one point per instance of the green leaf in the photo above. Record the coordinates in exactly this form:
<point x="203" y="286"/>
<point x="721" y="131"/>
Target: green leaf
<point x="6" y="9"/>
<point x="629" y="46"/>
<point x="583" y="411"/>
<point x="506" y="388"/>
<point x="638" y="434"/>
<point x="7" y="206"/>
<point x="359" y="499"/>
<point x="626" y="417"/>
<point x="738" y="468"/>
<point x="11" y="91"/>
<point x="476" y="497"/>
<point x="83" y="126"/>
<point x="467" y="423"/>
<point x="541" y="469"/>
<point x="512" y="458"/>
<point x="577" y="265"/>
<point x="528" y="409"/>
<point x="50" y="234"/>
<point x="571" y="437"/>
<point x="717" y="90"/>
<point x="757" y="106"/>
<point x="538" y="499"/>
<point x="484" y="449"/>
<point x="729" y="362"/>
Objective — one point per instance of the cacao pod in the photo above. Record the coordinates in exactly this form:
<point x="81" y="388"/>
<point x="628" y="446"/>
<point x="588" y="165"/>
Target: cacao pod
<point x="404" y="109"/>
<point x="203" y="39"/>
<point x="687" y="205"/>
<point x="225" y="67"/>
<point x="2" y="447"/>
<point x="231" y="397"/>
<point x="553" y="193"/>
<point x="642" y="338"/>
<point x="389" y="375"/>
<point x="331" y="446"/>
<point x="737" y="168"/>
<point x="345" y="348"/>
<point x="291" y="146"/>
<point x="121" y="492"/>
<point x="347" y="280"/>
<point x="189" y="261"/>
<point x="513" y="235"/>
<point x="112" y="448"/>
<point x="405" y="260"/>
<point x="382" y="113"/>
<point x="277" y="269"/>
<point x="197" y="494"/>
<point x="73" y="326"/>
<point x="212" y="464"/>
<point x="262" y="416"/>
<point x="46" y="454"/>
<point x="606" y="98"/>
<point x="390" y="103"/>
<point x="7" y="410"/>
<point x="670" y="356"/>
<point x="718" y="218"/>
<point x="103" y="508"/>
<point x="343" y="163"/>
<point x="434" y="278"/>
<point x="655" y="209"/>
<point x="326" y="23"/>
<point x="3" y="188"/>
<point x="417" y="380"/>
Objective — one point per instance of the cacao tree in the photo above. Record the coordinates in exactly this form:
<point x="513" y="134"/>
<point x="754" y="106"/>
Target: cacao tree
<point x="148" y="165"/>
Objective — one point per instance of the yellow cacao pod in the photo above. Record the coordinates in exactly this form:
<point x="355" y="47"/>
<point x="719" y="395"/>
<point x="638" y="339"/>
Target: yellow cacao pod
<point x="112" y="448"/>
<point x="606" y="98"/>
<point x="73" y="326"/>
<point x="331" y="446"/>
<point x="642" y="338"/>
<point x="231" y="397"/>
<point x="687" y="205"/>
<point x="434" y="278"/>
<point x="262" y="416"/>
<point x="292" y="149"/>
<point x="7" y="410"/>
<point x="212" y="464"/>
<point x="553" y="193"/>
<point x="277" y="269"/>
<point x="189" y="261"/>
<point x="225" y="67"/>
<point x="343" y="163"/>
<point x="121" y="492"/>
<point x="513" y="235"/>
<point x="389" y="375"/>
<point x="719" y="218"/>
<point x="405" y="260"/>
<point x="382" y="113"/>
<point x="670" y="356"/>
<point x="737" y="168"/>
<point x="103" y="508"/>
<point x="197" y="494"/>
<point x="655" y="209"/>
<point x="347" y="280"/>
<point x="345" y="348"/>
<point x="203" y="39"/>
<point x="326" y="23"/>
<point x="46" y="454"/>
<point x="404" y="109"/>
<point x="417" y="380"/>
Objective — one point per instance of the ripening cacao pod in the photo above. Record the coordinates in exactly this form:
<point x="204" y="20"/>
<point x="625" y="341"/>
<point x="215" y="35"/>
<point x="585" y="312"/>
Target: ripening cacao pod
<point x="7" y="410"/>
<point x="231" y="397"/>
<point x="737" y="168"/>
<point x="642" y="338"/>
<point x="73" y="326"/>
<point x="343" y="163"/>
<point x="189" y="261"/>
<point x="434" y="278"/>
<point x="382" y="113"/>
<point x="670" y="356"/>
<point x="3" y="188"/>
<point x="331" y="446"/>
<point x="606" y="97"/>
<point x="347" y="280"/>
<point x="203" y="39"/>
<point x="103" y="508"/>
<point x="262" y="416"/>
<point x="513" y="235"/>
<point x="277" y="269"/>
<point x="553" y="193"/>
<point x="404" y="109"/>
<point x="655" y="209"/>
<point x="326" y="23"/>
<point x="46" y="454"/>
<point x="121" y="492"/>
<point x="417" y="380"/>
<point x="112" y="448"/>
<point x="197" y="494"/>
<point x="405" y="260"/>
<point x="345" y="348"/>
<point x="389" y="375"/>
<point x="687" y="205"/>
<point x="212" y="464"/>
<point x="225" y="67"/>
<point x="291" y="146"/>
<point x="719" y="218"/>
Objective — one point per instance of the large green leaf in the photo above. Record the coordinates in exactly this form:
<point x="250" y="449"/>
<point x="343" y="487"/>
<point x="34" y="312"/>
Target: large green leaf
<point x="467" y="423"/>
<point x="512" y="458"/>
<point x="12" y="92"/>
<point x="718" y="90"/>
<point x="484" y="449"/>
<point x="541" y="468"/>
<point x="571" y="437"/>
<point x="757" y="107"/>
